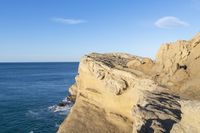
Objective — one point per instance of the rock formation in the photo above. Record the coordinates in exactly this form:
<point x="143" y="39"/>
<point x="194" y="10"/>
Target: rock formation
<point x="121" y="93"/>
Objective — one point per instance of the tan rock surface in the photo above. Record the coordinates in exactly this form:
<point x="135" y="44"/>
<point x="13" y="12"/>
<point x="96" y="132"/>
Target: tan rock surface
<point x="121" y="93"/>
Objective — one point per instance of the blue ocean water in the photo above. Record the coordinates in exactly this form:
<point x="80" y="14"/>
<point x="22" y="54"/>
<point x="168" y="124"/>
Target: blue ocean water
<point x="28" y="91"/>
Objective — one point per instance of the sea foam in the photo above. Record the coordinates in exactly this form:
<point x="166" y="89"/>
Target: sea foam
<point x="63" y="110"/>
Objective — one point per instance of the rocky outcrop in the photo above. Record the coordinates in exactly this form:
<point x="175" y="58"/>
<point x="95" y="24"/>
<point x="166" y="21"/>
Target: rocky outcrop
<point x="122" y="93"/>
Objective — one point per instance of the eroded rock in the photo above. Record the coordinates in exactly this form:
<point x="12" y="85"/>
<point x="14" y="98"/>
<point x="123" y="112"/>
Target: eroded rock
<point x="122" y="93"/>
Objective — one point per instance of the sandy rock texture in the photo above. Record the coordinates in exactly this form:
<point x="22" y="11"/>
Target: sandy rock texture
<point x="122" y="93"/>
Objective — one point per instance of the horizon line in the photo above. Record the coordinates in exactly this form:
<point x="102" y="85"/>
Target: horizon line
<point x="39" y="62"/>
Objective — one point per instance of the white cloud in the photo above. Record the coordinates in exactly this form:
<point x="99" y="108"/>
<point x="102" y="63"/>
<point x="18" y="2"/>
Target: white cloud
<point x="170" y="22"/>
<point x="68" y="21"/>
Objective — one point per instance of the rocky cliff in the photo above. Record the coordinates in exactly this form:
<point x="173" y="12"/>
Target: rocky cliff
<point x="121" y="93"/>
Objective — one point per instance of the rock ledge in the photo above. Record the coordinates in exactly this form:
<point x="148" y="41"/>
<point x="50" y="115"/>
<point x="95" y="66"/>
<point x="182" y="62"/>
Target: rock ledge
<point x="122" y="93"/>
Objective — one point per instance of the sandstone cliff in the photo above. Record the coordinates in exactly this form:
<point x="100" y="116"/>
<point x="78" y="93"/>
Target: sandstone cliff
<point x="121" y="93"/>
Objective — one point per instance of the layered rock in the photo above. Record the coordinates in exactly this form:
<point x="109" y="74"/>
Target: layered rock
<point x="122" y="93"/>
<point x="177" y="66"/>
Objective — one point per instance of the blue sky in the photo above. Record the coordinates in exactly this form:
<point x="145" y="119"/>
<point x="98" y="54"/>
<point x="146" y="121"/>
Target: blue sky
<point x="65" y="30"/>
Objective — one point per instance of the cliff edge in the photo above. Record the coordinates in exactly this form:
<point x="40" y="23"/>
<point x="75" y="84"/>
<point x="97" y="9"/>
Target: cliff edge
<point x="122" y="93"/>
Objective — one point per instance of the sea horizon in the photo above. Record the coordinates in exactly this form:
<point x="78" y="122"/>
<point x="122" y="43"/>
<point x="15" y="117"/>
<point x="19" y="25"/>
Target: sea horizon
<point x="41" y="62"/>
<point x="30" y="94"/>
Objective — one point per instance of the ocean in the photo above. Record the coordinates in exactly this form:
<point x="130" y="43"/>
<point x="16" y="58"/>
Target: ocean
<point x="29" y="94"/>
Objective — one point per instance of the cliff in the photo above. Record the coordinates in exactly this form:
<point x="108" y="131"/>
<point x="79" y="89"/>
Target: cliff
<point x="122" y="93"/>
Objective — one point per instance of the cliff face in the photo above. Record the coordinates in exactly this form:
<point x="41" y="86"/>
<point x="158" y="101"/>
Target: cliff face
<point x="121" y="93"/>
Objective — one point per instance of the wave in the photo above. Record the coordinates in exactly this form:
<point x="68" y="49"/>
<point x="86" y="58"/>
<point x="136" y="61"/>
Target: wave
<point x="57" y="125"/>
<point x="63" y="108"/>
<point x="56" y="108"/>
<point x="32" y="113"/>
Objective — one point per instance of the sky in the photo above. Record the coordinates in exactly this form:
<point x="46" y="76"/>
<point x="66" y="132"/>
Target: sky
<point x="65" y="30"/>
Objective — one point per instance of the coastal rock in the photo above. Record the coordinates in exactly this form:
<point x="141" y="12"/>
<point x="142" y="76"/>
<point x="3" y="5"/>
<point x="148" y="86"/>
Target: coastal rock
<point x="62" y="104"/>
<point x="190" y="118"/>
<point x="122" y="93"/>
